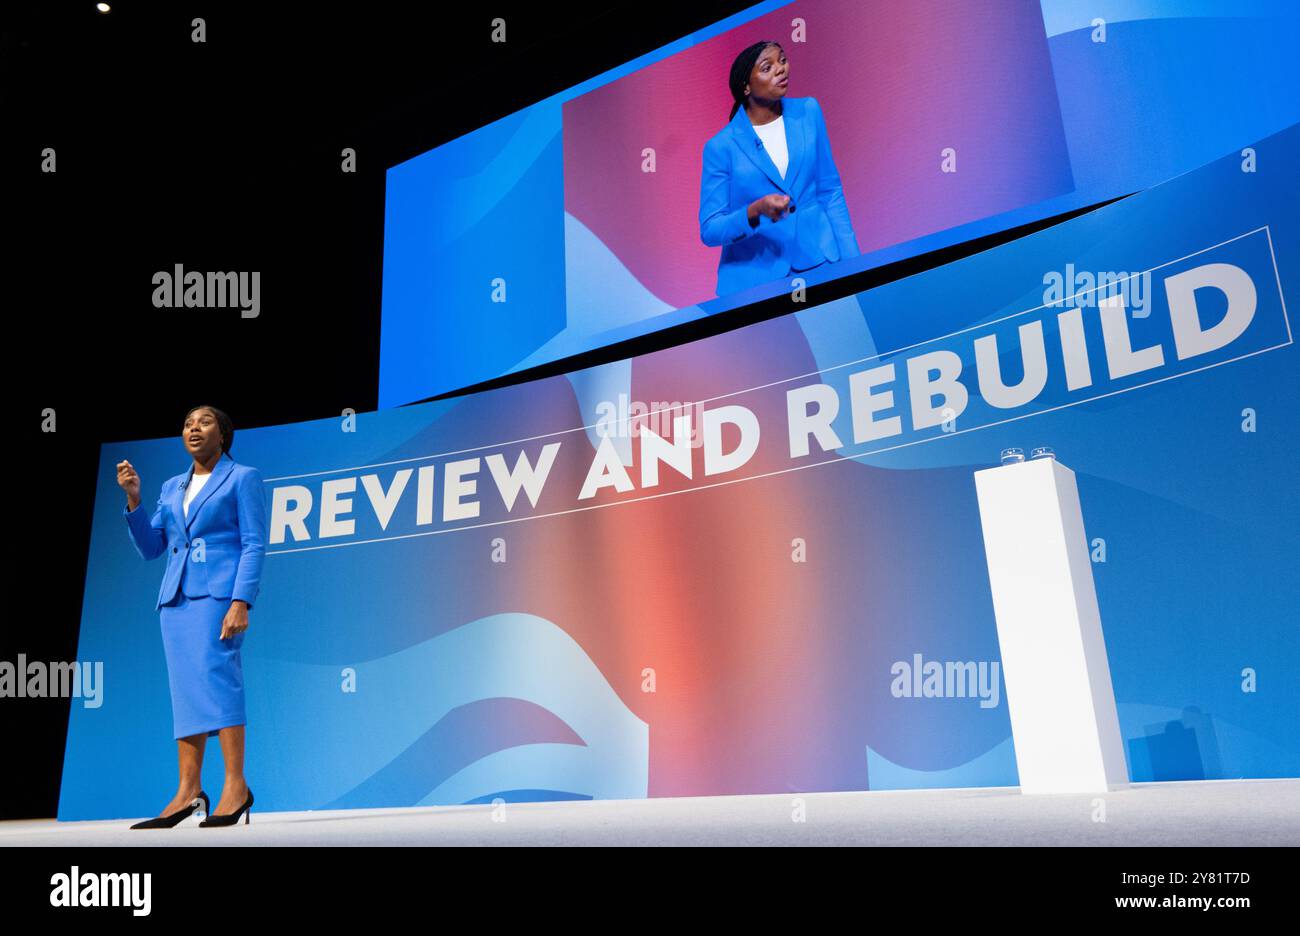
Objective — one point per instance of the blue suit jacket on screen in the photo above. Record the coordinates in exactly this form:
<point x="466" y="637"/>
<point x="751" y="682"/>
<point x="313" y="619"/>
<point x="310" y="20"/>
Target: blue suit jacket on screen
<point x="738" y="169"/>
<point x="218" y="549"/>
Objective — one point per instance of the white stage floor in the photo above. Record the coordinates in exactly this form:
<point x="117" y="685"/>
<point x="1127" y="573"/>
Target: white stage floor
<point x="1212" y="812"/>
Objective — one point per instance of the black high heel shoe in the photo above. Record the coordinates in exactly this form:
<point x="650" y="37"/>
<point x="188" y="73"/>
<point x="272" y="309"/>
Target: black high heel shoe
<point x="167" y="822"/>
<point x="232" y="818"/>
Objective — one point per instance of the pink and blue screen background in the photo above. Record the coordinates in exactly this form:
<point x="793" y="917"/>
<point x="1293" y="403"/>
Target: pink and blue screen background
<point x="551" y="201"/>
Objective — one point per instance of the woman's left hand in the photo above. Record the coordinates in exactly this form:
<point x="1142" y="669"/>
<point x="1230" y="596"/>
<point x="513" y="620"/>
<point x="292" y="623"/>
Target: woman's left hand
<point x="236" y="620"/>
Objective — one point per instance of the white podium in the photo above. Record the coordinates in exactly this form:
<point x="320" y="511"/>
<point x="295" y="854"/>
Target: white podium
<point x="1063" y="720"/>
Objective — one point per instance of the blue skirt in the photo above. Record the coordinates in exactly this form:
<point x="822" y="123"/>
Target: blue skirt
<point x="204" y="671"/>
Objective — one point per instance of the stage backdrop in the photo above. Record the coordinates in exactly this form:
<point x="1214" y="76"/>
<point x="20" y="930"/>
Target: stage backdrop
<point x="509" y="595"/>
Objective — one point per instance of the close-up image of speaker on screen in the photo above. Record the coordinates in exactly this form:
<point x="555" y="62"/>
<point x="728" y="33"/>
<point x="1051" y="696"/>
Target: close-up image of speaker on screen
<point x="803" y="423"/>
<point x="754" y="159"/>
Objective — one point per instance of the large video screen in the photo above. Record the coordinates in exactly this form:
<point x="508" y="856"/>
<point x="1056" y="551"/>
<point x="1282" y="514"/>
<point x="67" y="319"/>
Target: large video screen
<point x="695" y="180"/>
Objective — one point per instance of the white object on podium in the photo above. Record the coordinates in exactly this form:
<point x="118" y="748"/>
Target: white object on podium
<point x="1062" y="706"/>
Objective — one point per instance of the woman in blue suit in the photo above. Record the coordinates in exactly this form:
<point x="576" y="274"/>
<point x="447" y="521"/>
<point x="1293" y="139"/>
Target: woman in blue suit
<point x="211" y="524"/>
<point x="770" y="195"/>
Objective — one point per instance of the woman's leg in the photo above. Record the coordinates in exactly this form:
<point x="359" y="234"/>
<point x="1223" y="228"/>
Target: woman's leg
<point x="189" y="755"/>
<point x="235" y="792"/>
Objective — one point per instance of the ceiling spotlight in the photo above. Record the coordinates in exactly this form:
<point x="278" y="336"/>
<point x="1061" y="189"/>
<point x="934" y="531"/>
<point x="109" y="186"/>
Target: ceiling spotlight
<point x="102" y="7"/>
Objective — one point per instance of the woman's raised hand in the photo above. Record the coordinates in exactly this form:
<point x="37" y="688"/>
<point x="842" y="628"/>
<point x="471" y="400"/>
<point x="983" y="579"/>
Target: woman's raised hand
<point x="129" y="481"/>
<point x="774" y="206"/>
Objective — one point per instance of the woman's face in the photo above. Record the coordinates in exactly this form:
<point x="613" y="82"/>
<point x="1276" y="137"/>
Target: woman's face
<point x="770" y="76"/>
<point x="201" y="435"/>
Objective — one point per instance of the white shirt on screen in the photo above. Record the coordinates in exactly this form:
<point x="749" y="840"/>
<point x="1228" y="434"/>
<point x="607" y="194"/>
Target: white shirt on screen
<point x="773" y="137"/>
<point x="196" y="484"/>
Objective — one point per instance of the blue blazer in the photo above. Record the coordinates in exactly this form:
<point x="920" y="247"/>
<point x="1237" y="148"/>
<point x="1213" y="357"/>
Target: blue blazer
<point x="218" y="549"/>
<point x="737" y="170"/>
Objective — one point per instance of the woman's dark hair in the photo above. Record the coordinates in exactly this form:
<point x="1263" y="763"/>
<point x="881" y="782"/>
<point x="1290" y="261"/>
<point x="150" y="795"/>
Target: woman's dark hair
<point x="223" y="423"/>
<point x="740" y="71"/>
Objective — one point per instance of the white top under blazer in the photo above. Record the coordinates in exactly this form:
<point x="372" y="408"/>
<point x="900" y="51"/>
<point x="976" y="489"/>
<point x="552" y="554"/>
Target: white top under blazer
<point x="773" y="136"/>
<point x="192" y="491"/>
